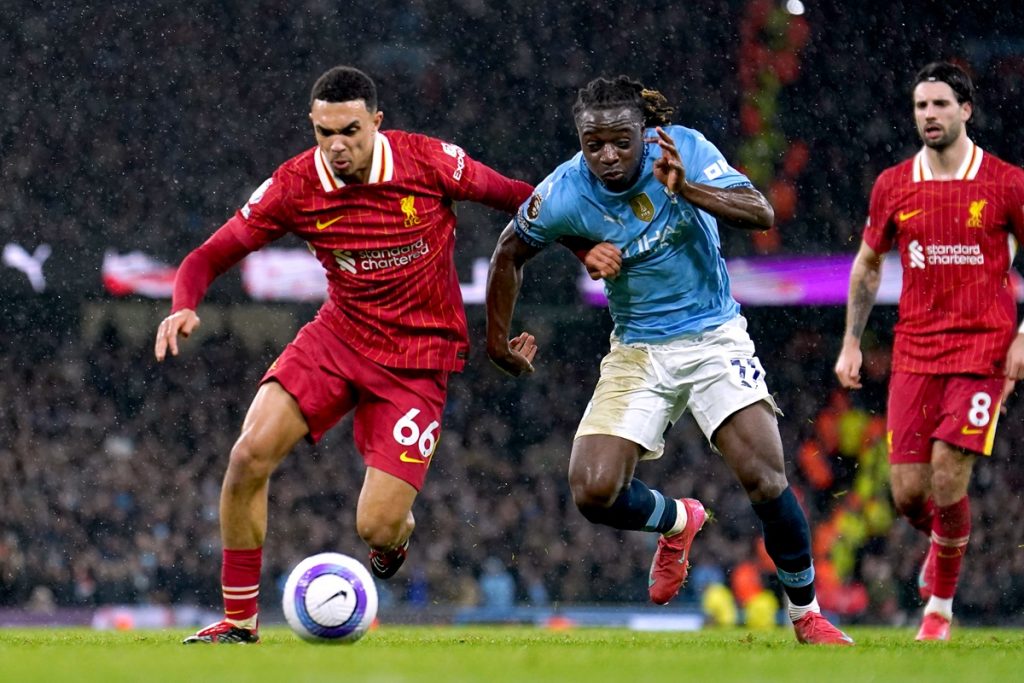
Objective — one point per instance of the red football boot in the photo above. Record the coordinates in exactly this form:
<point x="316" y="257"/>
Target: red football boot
<point x="224" y="632"/>
<point x="384" y="563"/>
<point x="814" y="629"/>
<point x="671" y="560"/>
<point x="934" y="626"/>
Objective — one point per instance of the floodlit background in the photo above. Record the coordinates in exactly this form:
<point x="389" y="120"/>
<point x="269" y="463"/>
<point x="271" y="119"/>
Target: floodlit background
<point x="130" y="131"/>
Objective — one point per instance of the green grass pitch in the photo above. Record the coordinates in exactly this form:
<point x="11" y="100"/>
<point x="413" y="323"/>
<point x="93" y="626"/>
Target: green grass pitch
<point x="520" y="654"/>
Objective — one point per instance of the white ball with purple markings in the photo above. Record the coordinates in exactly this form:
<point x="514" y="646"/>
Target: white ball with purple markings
<point x="330" y="598"/>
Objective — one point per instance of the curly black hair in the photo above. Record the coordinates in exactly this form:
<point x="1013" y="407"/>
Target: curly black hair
<point x="622" y="91"/>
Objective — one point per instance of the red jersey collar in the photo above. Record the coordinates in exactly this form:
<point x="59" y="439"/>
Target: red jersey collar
<point x="967" y="171"/>
<point x="382" y="168"/>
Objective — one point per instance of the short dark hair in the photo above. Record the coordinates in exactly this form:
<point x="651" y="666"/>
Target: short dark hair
<point x="344" y="84"/>
<point x="622" y="91"/>
<point x="950" y="74"/>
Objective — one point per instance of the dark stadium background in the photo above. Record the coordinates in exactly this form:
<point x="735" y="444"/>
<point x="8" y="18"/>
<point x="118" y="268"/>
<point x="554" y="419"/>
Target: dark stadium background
<point x="142" y="126"/>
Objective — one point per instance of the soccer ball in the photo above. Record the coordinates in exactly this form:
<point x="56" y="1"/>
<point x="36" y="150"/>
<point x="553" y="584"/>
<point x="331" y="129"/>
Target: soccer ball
<point x="330" y="598"/>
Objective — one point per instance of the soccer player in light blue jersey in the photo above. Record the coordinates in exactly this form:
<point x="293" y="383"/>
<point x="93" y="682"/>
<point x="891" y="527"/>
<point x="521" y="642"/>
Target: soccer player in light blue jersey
<point x="651" y="195"/>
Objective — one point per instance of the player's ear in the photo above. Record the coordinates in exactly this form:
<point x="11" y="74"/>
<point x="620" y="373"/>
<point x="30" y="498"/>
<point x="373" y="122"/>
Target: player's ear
<point x="377" y="118"/>
<point x="968" y="111"/>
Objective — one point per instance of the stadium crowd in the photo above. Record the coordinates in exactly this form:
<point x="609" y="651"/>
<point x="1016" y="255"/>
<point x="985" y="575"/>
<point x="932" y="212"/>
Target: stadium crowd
<point x="154" y="124"/>
<point x="109" y="481"/>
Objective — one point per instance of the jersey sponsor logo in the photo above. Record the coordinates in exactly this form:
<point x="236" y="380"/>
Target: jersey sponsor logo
<point x="320" y="225"/>
<point x="459" y="155"/>
<point x="915" y="252"/>
<point x="409" y="209"/>
<point x="256" y="196"/>
<point x="643" y="207"/>
<point x="652" y="242"/>
<point x="974" y="213"/>
<point x="368" y="260"/>
<point x="533" y="208"/>
<point x="345" y="260"/>
<point x="944" y="255"/>
<point x="907" y="215"/>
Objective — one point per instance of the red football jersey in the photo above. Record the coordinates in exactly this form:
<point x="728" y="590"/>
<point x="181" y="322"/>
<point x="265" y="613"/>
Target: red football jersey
<point x="956" y="240"/>
<point x="387" y="245"/>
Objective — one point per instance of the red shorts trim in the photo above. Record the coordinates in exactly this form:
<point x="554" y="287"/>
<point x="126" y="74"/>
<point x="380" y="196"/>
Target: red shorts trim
<point x="397" y="421"/>
<point x="962" y="410"/>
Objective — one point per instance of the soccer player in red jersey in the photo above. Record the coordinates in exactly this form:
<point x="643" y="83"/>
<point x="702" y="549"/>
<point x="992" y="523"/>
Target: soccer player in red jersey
<point x="956" y="214"/>
<point x="376" y="209"/>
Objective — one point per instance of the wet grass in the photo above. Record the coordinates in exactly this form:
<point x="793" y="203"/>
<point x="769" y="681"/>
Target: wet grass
<point x="521" y="654"/>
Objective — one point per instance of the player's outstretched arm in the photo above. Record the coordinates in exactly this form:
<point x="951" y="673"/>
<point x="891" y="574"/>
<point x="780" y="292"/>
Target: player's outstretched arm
<point x="504" y="279"/>
<point x="201" y="267"/>
<point x="865" y="277"/>
<point x="740" y="207"/>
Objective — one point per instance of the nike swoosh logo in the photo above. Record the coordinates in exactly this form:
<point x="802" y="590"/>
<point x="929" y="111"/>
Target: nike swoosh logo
<point x="342" y="592"/>
<point x="404" y="457"/>
<point x="907" y="215"/>
<point x="320" y="225"/>
<point x="967" y="431"/>
<point x="229" y="612"/>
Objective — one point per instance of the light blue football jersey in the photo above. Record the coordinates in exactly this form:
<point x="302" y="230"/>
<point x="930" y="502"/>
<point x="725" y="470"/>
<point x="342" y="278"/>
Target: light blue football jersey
<point x="673" y="280"/>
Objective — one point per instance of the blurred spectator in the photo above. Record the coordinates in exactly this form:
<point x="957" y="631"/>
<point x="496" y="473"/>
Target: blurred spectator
<point x="106" y="496"/>
<point x="497" y="587"/>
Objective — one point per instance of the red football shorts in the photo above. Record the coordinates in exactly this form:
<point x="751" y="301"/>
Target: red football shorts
<point x="961" y="410"/>
<point x="397" y="420"/>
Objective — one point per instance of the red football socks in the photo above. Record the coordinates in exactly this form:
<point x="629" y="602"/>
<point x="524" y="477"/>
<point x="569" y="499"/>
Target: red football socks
<point x="240" y="581"/>
<point x="924" y="517"/>
<point x="950" y="533"/>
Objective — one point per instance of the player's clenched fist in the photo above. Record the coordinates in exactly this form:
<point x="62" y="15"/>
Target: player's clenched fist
<point x="604" y="260"/>
<point x="181" y="322"/>
<point x="848" y="366"/>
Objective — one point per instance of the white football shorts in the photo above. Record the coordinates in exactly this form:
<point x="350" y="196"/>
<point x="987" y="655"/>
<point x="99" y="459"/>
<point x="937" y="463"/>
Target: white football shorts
<point x="645" y="388"/>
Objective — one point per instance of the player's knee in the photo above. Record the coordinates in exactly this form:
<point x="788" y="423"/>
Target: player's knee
<point x="248" y="463"/>
<point x="593" y="494"/>
<point x="948" y="485"/>
<point x="765" y="484"/>
<point x="910" y="504"/>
